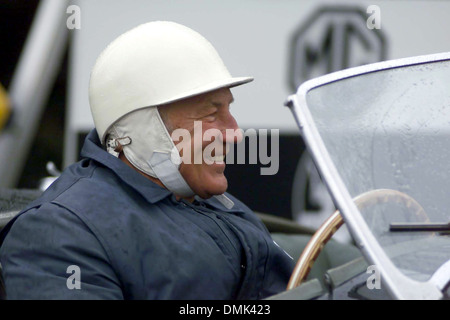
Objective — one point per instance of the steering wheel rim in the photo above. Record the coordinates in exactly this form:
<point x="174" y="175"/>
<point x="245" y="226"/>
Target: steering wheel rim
<point x="335" y="221"/>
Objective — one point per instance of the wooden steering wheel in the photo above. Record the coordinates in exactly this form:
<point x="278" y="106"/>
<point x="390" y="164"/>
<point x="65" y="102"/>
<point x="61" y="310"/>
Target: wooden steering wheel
<point x="335" y="221"/>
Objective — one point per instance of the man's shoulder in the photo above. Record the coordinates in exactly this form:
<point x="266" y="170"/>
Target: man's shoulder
<point x="81" y="188"/>
<point x="90" y="195"/>
<point x="97" y="195"/>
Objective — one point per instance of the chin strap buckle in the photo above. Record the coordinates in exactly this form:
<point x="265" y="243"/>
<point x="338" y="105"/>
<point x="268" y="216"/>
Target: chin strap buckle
<point x="115" y="146"/>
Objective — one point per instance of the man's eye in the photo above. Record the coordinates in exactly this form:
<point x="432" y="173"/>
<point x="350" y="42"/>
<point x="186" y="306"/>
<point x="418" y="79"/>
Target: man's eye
<point x="210" y="117"/>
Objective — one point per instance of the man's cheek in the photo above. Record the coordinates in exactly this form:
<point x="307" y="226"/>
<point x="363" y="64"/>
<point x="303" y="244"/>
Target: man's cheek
<point x="183" y="142"/>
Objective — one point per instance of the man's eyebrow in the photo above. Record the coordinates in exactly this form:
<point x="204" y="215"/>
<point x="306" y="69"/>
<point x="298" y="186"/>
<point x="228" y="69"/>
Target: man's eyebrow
<point x="219" y="104"/>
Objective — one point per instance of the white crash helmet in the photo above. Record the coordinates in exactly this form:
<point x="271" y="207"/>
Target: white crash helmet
<point x="149" y="66"/>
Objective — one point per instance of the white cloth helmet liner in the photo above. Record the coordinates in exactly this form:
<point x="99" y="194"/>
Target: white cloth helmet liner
<point x="150" y="148"/>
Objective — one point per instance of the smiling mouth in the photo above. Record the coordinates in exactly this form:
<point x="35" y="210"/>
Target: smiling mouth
<point x="219" y="159"/>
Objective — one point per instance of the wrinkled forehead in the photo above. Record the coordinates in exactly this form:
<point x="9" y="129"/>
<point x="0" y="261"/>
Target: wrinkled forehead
<point x="215" y="98"/>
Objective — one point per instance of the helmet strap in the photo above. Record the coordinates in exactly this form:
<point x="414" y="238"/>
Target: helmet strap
<point x="168" y="173"/>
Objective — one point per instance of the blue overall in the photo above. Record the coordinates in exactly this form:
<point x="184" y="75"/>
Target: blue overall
<point x="124" y="237"/>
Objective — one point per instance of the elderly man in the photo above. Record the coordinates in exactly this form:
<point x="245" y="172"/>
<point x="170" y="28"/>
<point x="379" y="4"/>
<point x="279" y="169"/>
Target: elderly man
<point x="139" y="217"/>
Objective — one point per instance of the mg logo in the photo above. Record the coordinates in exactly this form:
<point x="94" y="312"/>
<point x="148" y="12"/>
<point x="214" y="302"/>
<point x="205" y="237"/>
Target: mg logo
<point x="332" y="39"/>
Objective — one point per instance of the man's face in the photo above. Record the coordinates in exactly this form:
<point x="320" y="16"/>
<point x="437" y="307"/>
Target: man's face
<point x="207" y="115"/>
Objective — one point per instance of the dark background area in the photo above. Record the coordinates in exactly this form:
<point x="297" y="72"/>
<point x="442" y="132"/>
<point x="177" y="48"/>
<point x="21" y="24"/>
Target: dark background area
<point x="15" y="23"/>
<point x="269" y="194"/>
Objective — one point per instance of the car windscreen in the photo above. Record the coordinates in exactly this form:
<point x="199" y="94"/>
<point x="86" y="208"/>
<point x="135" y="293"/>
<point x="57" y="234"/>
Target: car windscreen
<point x="387" y="133"/>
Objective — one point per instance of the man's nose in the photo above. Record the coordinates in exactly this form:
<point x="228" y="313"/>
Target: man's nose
<point x="232" y="133"/>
